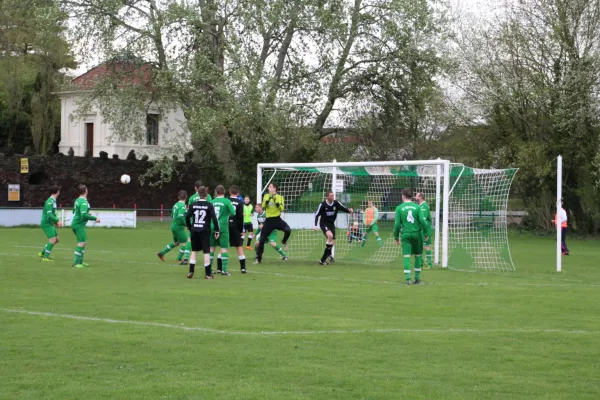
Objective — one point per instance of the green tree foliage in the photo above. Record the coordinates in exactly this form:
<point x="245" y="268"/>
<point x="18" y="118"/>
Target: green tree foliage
<point x="33" y="51"/>
<point x="531" y="76"/>
<point x="252" y="75"/>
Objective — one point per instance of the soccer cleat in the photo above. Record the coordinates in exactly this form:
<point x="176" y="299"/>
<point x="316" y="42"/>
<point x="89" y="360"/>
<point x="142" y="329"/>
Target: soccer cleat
<point x="323" y="263"/>
<point x="429" y="266"/>
<point x="207" y="277"/>
<point x="417" y="282"/>
<point x="243" y="270"/>
<point x="284" y="246"/>
<point x="225" y="273"/>
<point x="249" y="248"/>
<point x="256" y="261"/>
<point x="85" y="264"/>
<point x="78" y="266"/>
<point x="219" y="271"/>
<point x="284" y="258"/>
<point x="184" y="262"/>
<point x="40" y="254"/>
<point x="408" y="283"/>
<point x="331" y="259"/>
<point x="190" y="275"/>
<point x="161" y="256"/>
<point x="47" y="259"/>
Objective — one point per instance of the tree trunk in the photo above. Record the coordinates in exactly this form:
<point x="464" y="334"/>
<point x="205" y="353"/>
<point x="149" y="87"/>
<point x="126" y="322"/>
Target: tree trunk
<point x="334" y="86"/>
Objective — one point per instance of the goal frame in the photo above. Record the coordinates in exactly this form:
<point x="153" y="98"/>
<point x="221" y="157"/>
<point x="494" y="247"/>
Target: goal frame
<point x="442" y="187"/>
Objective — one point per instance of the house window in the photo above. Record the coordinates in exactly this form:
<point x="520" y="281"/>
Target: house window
<point x="152" y="129"/>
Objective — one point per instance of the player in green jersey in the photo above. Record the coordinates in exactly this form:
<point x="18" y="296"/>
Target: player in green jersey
<point x="410" y="221"/>
<point x="426" y="212"/>
<point x="50" y="222"/>
<point x="248" y="226"/>
<point x="261" y="217"/>
<point x="371" y="216"/>
<point x="178" y="226"/>
<point x="188" y="247"/>
<point x="224" y="209"/>
<point x="81" y="216"/>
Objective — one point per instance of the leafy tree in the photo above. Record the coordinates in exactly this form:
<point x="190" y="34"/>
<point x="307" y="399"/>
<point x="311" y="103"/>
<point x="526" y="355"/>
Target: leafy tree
<point x="33" y="51"/>
<point x="251" y="75"/>
<point x="533" y="76"/>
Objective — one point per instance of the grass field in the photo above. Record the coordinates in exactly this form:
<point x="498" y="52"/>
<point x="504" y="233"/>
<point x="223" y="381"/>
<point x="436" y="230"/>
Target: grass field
<point x="132" y="327"/>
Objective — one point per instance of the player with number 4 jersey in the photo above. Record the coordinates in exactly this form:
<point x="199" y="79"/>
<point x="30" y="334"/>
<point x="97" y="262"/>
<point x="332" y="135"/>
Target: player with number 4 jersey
<point x="410" y="221"/>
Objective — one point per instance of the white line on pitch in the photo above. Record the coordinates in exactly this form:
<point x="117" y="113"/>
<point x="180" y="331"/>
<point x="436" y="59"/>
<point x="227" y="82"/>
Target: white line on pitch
<point x="304" y="332"/>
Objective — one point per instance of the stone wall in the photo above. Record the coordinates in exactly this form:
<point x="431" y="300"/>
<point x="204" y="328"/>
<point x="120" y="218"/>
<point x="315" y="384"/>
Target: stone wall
<point x="102" y="177"/>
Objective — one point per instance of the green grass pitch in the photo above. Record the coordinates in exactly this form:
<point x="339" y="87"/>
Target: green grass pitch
<point x="133" y="327"/>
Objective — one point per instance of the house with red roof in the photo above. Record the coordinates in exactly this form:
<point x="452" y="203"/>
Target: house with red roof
<point x="161" y="131"/>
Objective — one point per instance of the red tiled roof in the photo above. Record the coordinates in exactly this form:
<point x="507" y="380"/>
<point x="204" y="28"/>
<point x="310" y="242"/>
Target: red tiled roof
<point x="123" y="72"/>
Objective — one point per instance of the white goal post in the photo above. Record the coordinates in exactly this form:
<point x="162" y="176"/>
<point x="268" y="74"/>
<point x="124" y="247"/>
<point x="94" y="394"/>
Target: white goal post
<point x="468" y="208"/>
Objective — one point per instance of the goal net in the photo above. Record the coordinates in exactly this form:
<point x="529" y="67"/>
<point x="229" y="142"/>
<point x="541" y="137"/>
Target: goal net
<point x="470" y="233"/>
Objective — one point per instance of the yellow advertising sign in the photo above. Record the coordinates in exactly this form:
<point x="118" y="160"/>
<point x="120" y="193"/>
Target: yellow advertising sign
<point x="14" y="192"/>
<point x="24" y="165"/>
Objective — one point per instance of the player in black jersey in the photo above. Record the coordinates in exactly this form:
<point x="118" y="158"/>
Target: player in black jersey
<point x="236" y="226"/>
<point x="198" y="218"/>
<point x="327" y="212"/>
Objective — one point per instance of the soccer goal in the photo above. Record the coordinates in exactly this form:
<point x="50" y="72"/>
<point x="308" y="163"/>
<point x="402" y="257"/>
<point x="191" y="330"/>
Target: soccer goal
<point x="468" y="207"/>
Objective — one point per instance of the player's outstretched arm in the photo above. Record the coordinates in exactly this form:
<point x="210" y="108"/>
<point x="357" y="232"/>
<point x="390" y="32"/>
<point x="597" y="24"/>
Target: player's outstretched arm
<point x="53" y="219"/>
<point x="85" y="213"/>
<point x="343" y="207"/>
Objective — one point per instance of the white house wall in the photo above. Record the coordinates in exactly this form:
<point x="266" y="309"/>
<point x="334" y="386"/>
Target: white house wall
<point x="73" y="132"/>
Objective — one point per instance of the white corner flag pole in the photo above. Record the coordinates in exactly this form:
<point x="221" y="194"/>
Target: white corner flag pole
<point x="558" y="208"/>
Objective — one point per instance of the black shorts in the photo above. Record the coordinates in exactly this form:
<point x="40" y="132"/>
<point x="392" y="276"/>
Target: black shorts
<point x="249" y="227"/>
<point x="201" y="241"/>
<point x="328" y="227"/>
<point x="235" y="236"/>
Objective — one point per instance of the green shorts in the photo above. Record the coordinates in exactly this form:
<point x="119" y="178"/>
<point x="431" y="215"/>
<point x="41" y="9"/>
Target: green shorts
<point x="179" y="235"/>
<point x="373" y="228"/>
<point x="222" y="242"/>
<point x="412" y="243"/>
<point x="50" y="231"/>
<point x="80" y="233"/>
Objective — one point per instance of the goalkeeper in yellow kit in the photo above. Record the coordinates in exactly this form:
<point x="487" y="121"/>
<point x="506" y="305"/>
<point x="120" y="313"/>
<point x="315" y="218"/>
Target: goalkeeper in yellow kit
<point x="273" y="204"/>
